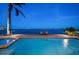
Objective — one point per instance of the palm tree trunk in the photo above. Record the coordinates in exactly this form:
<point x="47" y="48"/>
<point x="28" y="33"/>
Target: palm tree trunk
<point x="8" y="25"/>
<point x="8" y="20"/>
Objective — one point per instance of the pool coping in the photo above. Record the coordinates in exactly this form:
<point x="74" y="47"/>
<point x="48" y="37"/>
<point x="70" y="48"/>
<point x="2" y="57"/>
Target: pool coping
<point x="8" y="44"/>
<point x="15" y="37"/>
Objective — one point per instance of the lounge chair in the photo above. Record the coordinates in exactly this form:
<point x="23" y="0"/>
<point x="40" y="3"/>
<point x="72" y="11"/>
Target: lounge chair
<point x="44" y="33"/>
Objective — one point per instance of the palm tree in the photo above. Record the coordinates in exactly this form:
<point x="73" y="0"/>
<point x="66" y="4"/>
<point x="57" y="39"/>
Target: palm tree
<point x="10" y="7"/>
<point x="70" y="31"/>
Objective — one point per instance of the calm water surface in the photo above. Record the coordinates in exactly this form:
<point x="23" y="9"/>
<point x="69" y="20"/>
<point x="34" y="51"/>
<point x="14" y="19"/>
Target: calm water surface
<point x="43" y="47"/>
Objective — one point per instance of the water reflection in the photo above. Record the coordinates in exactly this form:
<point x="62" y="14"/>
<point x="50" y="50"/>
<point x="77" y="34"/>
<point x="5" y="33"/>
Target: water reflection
<point x="6" y="51"/>
<point x="7" y="41"/>
<point x="65" y="42"/>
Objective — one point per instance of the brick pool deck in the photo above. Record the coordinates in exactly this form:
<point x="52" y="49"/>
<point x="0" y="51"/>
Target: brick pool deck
<point x="20" y="36"/>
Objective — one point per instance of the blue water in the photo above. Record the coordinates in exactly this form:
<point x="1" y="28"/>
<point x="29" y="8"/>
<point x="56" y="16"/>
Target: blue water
<point x="34" y="31"/>
<point x="43" y="47"/>
<point x="40" y="46"/>
<point x="2" y="42"/>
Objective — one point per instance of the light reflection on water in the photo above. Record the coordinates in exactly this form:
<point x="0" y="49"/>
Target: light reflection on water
<point x="65" y="42"/>
<point x="7" y="41"/>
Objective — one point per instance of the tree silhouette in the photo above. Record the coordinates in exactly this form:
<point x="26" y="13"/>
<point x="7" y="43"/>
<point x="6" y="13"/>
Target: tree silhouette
<point x="12" y="6"/>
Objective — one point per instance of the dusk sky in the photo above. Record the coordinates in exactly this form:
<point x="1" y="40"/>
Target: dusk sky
<point x="42" y="15"/>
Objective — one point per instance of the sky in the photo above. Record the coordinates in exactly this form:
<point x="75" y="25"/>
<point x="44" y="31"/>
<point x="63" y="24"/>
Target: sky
<point x="42" y="16"/>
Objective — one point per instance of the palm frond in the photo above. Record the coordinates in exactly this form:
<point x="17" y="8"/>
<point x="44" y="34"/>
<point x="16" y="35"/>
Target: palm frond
<point x="19" y="4"/>
<point x="19" y="12"/>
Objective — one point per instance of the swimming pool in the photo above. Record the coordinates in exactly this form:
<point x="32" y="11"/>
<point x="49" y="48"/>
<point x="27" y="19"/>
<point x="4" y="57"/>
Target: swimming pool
<point x="43" y="47"/>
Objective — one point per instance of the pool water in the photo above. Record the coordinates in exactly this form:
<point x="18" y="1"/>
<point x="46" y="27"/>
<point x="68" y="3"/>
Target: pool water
<point x="43" y="47"/>
<point x="4" y="41"/>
